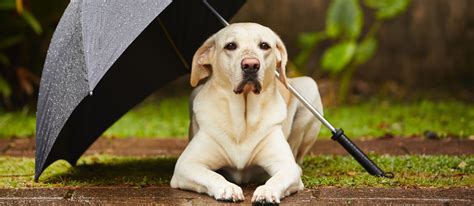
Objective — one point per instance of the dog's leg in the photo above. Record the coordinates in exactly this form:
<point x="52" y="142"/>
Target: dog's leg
<point x="305" y="127"/>
<point x="195" y="171"/>
<point x="193" y="125"/>
<point x="277" y="159"/>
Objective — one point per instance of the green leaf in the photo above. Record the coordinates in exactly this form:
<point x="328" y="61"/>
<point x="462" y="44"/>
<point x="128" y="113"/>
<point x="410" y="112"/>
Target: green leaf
<point x="387" y="9"/>
<point x="5" y="89"/>
<point x="345" y="18"/>
<point x="302" y="57"/>
<point x="10" y="41"/>
<point x="31" y="20"/>
<point x="307" y="42"/>
<point x="7" y="4"/>
<point x="4" y="60"/>
<point x="338" y="56"/>
<point x="365" y="50"/>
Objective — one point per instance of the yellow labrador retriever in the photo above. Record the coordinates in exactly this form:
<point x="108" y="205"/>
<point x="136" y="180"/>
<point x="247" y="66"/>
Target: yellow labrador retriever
<point x="245" y="125"/>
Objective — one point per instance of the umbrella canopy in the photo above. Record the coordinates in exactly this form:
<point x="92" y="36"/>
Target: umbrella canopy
<point x="107" y="56"/>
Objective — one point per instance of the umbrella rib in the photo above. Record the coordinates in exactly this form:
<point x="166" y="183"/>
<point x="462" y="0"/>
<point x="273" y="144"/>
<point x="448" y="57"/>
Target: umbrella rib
<point x="168" y="36"/>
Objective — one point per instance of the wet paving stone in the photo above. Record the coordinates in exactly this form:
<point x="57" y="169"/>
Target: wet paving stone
<point x="169" y="196"/>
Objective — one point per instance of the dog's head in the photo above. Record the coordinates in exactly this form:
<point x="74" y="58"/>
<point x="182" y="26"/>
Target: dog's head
<point x="242" y="55"/>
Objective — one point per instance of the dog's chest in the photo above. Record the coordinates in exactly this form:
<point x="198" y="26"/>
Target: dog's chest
<point x="240" y="156"/>
<point x="240" y="140"/>
<point x="240" y="127"/>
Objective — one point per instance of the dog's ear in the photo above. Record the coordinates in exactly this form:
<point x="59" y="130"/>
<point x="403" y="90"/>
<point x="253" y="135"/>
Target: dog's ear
<point x="202" y="59"/>
<point x="282" y="59"/>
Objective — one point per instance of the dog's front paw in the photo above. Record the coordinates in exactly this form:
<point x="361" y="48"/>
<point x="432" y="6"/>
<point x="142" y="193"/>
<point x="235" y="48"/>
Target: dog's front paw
<point x="228" y="193"/>
<point x="265" y="195"/>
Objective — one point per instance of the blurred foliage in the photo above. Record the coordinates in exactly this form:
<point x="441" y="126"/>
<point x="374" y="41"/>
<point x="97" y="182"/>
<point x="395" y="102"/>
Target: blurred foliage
<point x="344" y="19"/>
<point x="26" y="29"/>
<point x="338" y="56"/>
<point x="351" y="47"/>
<point x="387" y="9"/>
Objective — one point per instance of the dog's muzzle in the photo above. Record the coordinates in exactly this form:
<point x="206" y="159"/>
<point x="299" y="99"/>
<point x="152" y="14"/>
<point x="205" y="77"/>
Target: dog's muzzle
<point x="250" y="67"/>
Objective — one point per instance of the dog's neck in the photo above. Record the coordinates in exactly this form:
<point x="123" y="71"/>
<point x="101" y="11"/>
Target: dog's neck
<point x="251" y="100"/>
<point x="248" y="110"/>
<point x="256" y="102"/>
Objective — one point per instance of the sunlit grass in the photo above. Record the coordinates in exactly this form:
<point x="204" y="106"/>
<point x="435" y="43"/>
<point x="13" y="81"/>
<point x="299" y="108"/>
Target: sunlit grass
<point x="409" y="170"/>
<point x="17" y="124"/>
<point x="378" y="118"/>
<point x="164" y="118"/>
<point x="321" y="170"/>
<point x="169" y="118"/>
<point x="95" y="170"/>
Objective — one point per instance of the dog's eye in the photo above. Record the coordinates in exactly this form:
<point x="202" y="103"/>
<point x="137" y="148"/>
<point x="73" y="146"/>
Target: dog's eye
<point x="230" y="46"/>
<point x="264" y="46"/>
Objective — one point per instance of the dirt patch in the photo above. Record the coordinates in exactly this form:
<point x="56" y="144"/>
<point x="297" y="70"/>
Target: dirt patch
<point x="169" y="196"/>
<point x="174" y="147"/>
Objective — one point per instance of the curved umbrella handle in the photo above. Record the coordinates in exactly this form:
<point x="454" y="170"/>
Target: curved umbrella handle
<point x="360" y="156"/>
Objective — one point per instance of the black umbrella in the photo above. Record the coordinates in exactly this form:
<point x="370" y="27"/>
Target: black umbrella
<point x="105" y="57"/>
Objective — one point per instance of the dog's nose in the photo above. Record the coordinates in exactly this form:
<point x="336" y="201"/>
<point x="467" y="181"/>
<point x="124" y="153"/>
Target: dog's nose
<point x="250" y="65"/>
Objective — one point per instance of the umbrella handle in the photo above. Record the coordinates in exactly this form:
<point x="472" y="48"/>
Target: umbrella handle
<point x="338" y="135"/>
<point x="360" y="156"/>
<point x="341" y="138"/>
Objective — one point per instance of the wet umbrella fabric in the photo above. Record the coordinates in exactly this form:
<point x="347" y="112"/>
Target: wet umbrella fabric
<point x="107" y="56"/>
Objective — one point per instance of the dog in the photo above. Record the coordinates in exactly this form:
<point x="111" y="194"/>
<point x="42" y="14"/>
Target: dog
<point x="245" y="124"/>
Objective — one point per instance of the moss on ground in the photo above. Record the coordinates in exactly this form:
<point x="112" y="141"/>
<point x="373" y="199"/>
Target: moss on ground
<point x="322" y="170"/>
<point x="409" y="170"/>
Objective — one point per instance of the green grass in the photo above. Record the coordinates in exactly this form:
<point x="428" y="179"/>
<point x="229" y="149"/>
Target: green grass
<point x="322" y="170"/>
<point x="169" y="118"/>
<point x="17" y="124"/>
<point x="95" y="170"/>
<point x="378" y="118"/>
<point x="412" y="170"/>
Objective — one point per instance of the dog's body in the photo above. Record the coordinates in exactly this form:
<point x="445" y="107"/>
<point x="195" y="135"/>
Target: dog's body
<point x="258" y="130"/>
